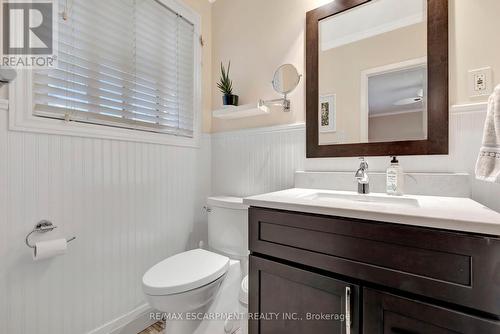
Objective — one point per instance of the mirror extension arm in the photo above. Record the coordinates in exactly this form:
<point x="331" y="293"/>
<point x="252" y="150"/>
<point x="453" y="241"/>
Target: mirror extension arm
<point x="284" y="102"/>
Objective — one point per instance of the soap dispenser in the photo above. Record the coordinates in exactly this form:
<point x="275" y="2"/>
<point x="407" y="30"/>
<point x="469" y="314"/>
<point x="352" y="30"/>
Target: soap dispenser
<point x="395" y="178"/>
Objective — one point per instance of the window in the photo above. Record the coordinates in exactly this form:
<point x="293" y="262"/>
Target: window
<point x="122" y="63"/>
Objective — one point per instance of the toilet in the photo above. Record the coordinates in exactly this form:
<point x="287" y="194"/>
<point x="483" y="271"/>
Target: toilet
<point x="199" y="281"/>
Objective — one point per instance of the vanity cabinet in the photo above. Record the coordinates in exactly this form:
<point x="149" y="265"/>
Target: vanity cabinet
<point x="298" y="301"/>
<point x="400" y="279"/>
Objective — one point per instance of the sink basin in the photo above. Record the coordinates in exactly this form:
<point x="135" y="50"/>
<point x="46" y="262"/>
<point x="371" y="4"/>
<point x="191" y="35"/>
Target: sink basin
<point x="368" y="199"/>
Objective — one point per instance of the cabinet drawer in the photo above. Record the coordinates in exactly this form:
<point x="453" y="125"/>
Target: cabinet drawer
<point x="452" y="267"/>
<point x="290" y="300"/>
<point x="389" y="314"/>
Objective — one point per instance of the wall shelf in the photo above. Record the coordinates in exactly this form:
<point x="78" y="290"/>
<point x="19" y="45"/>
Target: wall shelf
<point x="247" y="110"/>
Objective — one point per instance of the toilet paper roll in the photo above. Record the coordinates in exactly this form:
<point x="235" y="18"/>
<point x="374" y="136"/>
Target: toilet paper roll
<point x="47" y="249"/>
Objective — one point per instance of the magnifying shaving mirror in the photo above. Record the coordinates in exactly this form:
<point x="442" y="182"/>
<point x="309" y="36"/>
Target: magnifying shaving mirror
<point x="285" y="80"/>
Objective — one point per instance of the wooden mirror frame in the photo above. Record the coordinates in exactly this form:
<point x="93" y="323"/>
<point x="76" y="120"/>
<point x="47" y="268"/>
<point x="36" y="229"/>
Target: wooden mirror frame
<point x="437" y="104"/>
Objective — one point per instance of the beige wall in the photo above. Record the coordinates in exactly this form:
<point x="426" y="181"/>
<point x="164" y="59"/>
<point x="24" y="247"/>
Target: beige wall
<point x="474" y="44"/>
<point x="259" y="35"/>
<point x="341" y="67"/>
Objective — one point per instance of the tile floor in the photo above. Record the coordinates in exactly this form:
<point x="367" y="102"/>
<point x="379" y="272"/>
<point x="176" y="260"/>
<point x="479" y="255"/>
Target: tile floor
<point x="153" y="329"/>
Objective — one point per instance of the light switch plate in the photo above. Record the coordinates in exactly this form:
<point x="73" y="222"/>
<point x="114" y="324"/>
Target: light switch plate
<point x="480" y="82"/>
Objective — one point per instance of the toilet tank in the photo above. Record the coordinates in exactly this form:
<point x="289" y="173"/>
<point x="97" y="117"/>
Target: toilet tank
<point x="228" y="226"/>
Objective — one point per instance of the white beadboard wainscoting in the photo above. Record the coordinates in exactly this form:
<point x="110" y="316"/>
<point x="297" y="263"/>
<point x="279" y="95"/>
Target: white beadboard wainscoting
<point x="130" y="205"/>
<point x="255" y="161"/>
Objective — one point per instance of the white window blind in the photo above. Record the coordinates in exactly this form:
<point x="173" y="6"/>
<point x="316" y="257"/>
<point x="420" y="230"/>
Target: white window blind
<point x="122" y="63"/>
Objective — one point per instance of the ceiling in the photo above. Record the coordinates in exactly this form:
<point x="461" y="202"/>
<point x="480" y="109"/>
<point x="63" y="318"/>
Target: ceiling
<point x="388" y="88"/>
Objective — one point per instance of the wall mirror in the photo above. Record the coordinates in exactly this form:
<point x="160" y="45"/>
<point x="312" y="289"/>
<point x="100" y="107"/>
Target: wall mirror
<point x="377" y="78"/>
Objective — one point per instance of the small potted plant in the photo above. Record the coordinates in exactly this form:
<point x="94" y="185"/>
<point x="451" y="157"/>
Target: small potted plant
<point x="226" y="87"/>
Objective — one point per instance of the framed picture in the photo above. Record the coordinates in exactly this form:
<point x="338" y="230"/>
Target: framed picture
<point x="327" y="113"/>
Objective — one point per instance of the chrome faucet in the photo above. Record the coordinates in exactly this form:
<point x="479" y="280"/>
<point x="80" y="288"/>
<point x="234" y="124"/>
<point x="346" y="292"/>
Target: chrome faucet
<point x="362" y="177"/>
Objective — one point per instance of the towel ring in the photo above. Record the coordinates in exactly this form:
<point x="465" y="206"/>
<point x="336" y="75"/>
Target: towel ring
<point x="43" y="226"/>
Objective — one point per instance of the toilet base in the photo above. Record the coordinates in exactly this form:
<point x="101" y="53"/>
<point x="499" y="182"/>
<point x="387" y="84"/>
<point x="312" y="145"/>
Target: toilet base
<point x="227" y="303"/>
<point x="222" y="312"/>
<point x="224" y="302"/>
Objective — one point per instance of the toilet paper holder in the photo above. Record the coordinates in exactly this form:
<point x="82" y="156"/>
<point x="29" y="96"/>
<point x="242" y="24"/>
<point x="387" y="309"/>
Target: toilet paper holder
<point x="43" y="226"/>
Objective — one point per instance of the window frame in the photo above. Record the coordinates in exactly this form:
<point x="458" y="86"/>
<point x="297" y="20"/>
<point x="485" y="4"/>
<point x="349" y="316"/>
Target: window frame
<point x="21" y="117"/>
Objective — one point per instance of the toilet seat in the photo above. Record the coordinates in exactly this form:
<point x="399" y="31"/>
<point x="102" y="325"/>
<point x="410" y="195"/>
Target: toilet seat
<point x="184" y="272"/>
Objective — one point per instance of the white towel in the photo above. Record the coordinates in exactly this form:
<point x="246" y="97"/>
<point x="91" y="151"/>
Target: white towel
<point x="488" y="163"/>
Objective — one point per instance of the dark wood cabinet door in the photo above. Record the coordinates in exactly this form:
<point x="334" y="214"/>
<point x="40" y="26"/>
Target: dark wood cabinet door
<point x="389" y="314"/>
<point x="288" y="300"/>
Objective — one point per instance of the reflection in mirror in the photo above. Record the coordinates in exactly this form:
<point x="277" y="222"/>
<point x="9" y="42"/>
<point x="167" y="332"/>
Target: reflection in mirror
<point x="396" y="104"/>
<point x="373" y="73"/>
<point x="286" y="78"/>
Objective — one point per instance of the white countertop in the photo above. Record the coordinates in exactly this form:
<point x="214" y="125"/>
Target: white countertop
<point x="449" y="213"/>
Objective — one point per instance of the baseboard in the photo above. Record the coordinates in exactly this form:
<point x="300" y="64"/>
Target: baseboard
<point x="130" y="323"/>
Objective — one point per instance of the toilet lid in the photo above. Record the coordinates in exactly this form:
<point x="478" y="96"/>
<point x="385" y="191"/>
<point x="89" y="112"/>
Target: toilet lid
<point x="183" y="272"/>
